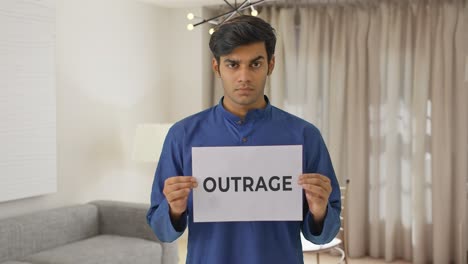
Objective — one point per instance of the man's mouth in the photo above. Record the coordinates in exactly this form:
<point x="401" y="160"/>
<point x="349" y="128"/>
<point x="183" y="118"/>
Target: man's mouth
<point x="244" y="89"/>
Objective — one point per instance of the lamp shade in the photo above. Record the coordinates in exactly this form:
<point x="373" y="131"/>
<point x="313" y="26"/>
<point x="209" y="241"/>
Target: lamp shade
<point x="149" y="140"/>
<point x="466" y="68"/>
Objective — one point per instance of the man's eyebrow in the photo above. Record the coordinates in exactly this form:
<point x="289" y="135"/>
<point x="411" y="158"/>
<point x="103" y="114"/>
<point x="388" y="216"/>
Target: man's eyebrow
<point x="258" y="58"/>
<point x="231" y="61"/>
<point x="227" y="60"/>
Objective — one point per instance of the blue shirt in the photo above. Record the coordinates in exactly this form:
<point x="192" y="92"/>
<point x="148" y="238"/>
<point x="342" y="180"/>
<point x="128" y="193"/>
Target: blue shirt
<point x="256" y="242"/>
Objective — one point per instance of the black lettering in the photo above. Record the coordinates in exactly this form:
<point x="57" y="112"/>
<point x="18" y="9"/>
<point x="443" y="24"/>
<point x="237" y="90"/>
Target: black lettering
<point x="205" y="184"/>
<point x="236" y="180"/>
<point x="261" y="184"/>
<point x="274" y="183"/>
<point x="248" y="185"/>
<point x="286" y="182"/>
<point x="221" y="184"/>
<point x="270" y="183"/>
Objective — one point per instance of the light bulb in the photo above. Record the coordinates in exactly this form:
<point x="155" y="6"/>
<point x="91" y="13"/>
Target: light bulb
<point x="190" y="16"/>
<point x="254" y="12"/>
<point x="211" y="31"/>
<point x="190" y="26"/>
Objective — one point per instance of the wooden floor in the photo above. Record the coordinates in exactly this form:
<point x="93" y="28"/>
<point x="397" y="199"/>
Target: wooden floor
<point x="309" y="258"/>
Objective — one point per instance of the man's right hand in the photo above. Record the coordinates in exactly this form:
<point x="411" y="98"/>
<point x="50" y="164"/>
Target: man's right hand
<point x="177" y="190"/>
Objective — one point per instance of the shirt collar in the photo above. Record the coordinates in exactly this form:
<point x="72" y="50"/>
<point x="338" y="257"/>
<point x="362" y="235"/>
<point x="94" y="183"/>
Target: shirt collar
<point x="254" y="114"/>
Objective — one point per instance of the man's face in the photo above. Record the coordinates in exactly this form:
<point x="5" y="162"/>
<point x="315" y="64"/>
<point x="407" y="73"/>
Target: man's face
<point x="243" y="73"/>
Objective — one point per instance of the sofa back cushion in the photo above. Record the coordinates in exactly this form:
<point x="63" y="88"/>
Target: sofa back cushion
<point x="31" y="233"/>
<point x="124" y="219"/>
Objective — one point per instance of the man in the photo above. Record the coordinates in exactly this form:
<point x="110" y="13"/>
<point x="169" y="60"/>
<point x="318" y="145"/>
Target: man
<point x="243" y="50"/>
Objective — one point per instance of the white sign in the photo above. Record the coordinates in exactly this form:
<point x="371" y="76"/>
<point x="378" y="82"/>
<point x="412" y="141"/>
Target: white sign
<point x="247" y="183"/>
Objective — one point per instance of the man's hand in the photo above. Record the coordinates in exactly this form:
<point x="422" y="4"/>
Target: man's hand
<point x="317" y="190"/>
<point x="177" y="190"/>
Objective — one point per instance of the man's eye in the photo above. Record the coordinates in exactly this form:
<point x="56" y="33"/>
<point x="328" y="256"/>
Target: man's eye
<point x="256" y="65"/>
<point x="232" y="65"/>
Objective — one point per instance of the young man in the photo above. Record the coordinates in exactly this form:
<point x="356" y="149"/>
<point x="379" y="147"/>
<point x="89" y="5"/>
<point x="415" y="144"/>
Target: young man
<point x="243" y="50"/>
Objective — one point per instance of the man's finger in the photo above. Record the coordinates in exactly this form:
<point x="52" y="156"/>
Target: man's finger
<point x="308" y="176"/>
<point x="175" y="195"/>
<point x="180" y="185"/>
<point x="179" y="179"/>
<point x="316" y="190"/>
<point x="179" y="201"/>
<point x="315" y="199"/>
<point x="317" y="182"/>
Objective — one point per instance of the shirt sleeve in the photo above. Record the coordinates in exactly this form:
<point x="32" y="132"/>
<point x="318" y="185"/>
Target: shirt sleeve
<point x="170" y="164"/>
<point x="317" y="160"/>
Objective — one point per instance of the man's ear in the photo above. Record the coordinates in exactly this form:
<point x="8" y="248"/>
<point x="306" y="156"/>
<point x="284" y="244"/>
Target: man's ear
<point x="271" y="65"/>
<point x="215" y="66"/>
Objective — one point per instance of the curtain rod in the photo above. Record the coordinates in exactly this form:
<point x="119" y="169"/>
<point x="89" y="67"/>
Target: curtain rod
<point x="313" y="2"/>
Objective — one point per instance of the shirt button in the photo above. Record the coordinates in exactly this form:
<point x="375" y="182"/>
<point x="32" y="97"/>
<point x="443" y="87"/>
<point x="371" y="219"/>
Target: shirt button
<point x="239" y="122"/>
<point x="244" y="140"/>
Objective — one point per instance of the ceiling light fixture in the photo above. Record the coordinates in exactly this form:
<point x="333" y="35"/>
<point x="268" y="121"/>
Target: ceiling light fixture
<point x="254" y="11"/>
<point x="220" y="19"/>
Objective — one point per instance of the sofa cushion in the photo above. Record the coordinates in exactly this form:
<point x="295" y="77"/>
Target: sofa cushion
<point x="124" y="219"/>
<point x="101" y="250"/>
<point x="27" y="234"/>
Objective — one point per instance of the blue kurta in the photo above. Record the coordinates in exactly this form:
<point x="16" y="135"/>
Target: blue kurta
<point x="257" y="242"/>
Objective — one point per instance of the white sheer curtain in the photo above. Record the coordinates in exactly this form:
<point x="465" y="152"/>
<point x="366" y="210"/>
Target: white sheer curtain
<point x="383" y="80"/>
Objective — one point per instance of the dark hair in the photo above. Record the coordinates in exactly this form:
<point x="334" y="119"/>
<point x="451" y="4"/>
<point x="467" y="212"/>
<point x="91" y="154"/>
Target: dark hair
<point x="242" y="30"/>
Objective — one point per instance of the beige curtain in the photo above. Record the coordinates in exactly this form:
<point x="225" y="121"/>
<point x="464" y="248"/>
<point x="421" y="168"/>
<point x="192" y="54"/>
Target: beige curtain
<point x="384" y="81"/>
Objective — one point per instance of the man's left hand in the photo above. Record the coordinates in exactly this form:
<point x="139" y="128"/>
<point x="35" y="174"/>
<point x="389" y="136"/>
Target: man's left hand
<point x="317" y="190"/>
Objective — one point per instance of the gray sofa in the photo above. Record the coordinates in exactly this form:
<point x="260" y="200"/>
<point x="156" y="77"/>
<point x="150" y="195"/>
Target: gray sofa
<point x="97" y="232"/>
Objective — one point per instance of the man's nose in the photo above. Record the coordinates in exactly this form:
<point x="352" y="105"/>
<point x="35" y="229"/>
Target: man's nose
<point x="244" y="74"/>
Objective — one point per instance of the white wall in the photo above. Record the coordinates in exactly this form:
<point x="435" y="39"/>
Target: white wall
<point x="112" y="73"/>
<point x="119" y="63"/>
<point x="111" y="70"/>
<point x="190" y="72"/>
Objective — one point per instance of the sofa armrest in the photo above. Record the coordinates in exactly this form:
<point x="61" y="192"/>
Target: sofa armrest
<point x="129" y="219"/>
